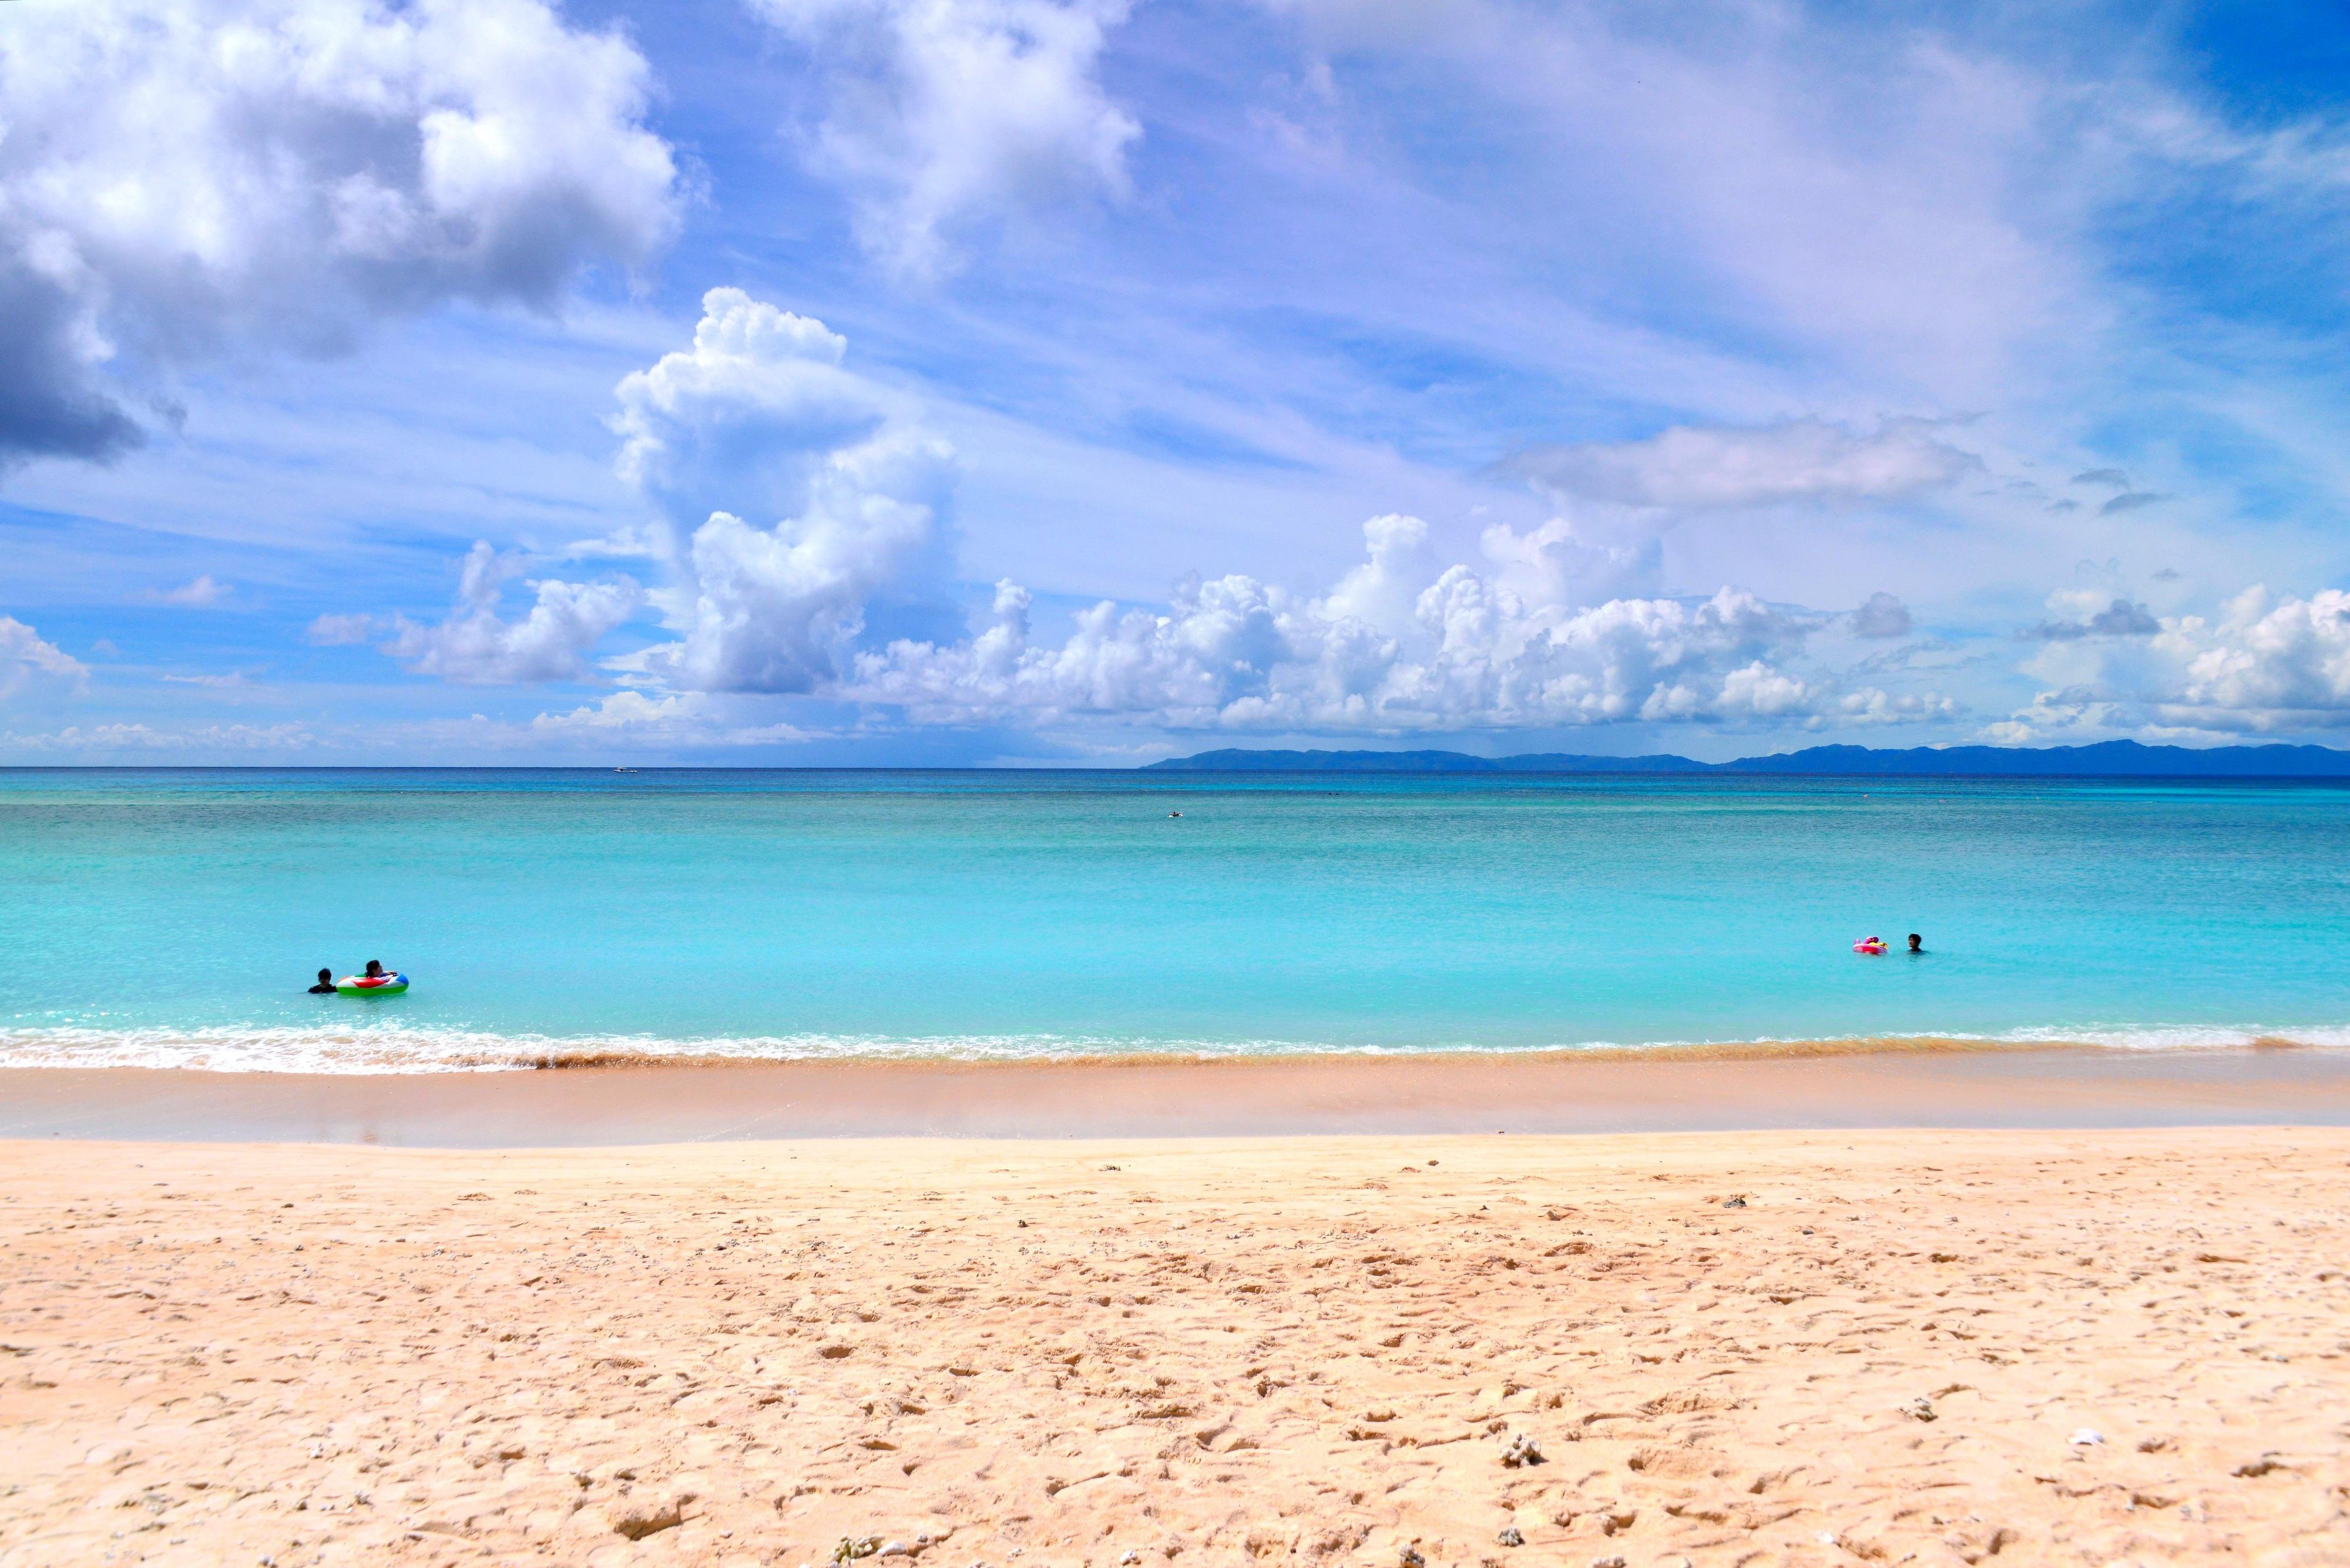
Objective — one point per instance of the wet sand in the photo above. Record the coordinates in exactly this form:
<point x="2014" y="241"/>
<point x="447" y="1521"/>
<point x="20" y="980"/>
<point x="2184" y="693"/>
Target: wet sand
<point x="1831" y="1086"/>
<point x="1760" y="1347"/>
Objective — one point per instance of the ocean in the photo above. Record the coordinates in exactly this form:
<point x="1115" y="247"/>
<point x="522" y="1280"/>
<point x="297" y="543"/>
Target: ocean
<point x="174" y="918"/>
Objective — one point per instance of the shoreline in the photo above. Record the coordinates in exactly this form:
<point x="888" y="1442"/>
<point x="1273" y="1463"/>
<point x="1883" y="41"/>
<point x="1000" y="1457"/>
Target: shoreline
<point x="607" y="1103"/>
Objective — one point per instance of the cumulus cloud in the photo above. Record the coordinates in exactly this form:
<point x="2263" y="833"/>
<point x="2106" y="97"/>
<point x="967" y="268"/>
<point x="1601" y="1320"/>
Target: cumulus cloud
<point x="1869" y="705"/>
<point x="776" y="609"/>
<point x="623" y="711"/>
<point x="1461" y="650"/>
<point x="744" y="418"/>
<point x="2265" y="664"/>
<point x="1881" y="616"/>
<point x="26" y="661"/>
<point x="946" y="112"/>
<point x="759" y="417"/>
<point x="1713" y="467"/>
<point x="550" y="643"/>
<point x="181" y="179"/>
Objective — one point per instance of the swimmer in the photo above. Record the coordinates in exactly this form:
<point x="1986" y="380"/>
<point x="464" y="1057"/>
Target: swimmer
<point x="1174" y="814"/>
<point x="1917" y="944"/>
<point x="326" y="986"/>
<point x="375" y="969"/>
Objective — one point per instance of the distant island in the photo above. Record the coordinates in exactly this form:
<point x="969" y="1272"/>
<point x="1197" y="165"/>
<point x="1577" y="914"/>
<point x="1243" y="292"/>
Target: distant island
<point x="2107" y="759"/>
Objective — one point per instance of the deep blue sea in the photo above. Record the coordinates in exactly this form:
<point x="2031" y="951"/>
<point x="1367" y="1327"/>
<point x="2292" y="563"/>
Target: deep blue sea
<point x="175" y="917"/>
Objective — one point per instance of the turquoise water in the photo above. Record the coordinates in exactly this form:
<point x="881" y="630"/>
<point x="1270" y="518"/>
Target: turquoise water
<point x="176" y="916"/>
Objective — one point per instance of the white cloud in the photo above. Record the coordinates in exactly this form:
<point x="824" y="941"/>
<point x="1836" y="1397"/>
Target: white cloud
<point x="635" y="719"/>
<point x="1460" y="650"/>
<point x="128" y="738"/>
<point x="1704" y="468"/>
<point x="2265" y="665"/>
<point x="946" y="112"/>
<point x="744" y="418"/>
<point x="341" y="630"/>
<point x="184" y="179"/>
<point x="758" y="417"/>
<point x="1870" y="705"/>
<point x="26" y="661"/>
<point x="204" y="592"/>
<point x="1553" y="628"/>
<point x="2297" y="160"/>
<point x="475" y="646"/>
<point x="777" y="609"/>
<point x="624" y="711"/>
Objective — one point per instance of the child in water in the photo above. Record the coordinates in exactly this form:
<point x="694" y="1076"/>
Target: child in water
<point x="326" y="986"/>
<point x="1917" y="944"/>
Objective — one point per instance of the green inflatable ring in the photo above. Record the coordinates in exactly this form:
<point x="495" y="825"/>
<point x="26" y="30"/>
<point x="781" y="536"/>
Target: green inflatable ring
<point x="359" y="985"/>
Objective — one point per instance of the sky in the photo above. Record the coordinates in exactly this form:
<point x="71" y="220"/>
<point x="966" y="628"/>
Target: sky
<point x="1082" y="382"/>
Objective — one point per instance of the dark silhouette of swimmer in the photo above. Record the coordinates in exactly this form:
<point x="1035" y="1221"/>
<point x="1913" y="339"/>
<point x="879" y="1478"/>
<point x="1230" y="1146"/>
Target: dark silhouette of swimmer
<point x="326" y="986"/>
<point x="375" y="968"/>
<point x="1917" y="944"/>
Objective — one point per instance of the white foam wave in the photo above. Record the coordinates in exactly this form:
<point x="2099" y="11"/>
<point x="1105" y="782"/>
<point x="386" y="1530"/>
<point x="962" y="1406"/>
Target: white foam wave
<point x="402" y="1049"/>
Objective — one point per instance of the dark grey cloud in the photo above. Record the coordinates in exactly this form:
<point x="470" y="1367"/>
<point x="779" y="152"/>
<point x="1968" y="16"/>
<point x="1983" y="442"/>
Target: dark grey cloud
<point x="2113" y="476"/>
<point x="2121" y="619"/>
<point x="369" y="163"/>
<point x="1881" y="614"/>
<point x="49" y="404"/>
<point x="2130" y="501"/>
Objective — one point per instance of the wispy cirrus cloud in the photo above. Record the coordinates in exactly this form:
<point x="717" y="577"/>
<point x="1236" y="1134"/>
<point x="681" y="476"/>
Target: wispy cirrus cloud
<point x="1694" y="468"/>
<point x="941" y="115"/>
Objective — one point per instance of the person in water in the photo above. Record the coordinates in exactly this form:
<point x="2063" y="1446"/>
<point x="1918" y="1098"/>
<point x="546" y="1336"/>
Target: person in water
<point x="1917" y="944"/>
<point x="375" y="969"/>
<point x="326" y="986"/>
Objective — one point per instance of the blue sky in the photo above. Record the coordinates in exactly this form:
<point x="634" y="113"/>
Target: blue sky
<point x="1074" y="382"/>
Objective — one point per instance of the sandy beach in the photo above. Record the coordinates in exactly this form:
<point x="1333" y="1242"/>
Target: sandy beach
<point x="1813" y="1084"/>
<point x="1764" y="1347"/>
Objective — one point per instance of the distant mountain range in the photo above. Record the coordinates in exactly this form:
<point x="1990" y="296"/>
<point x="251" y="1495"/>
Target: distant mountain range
<point x="2107" y="759"/>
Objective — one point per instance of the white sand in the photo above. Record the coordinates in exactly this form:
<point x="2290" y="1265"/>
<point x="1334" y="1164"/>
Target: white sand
<point x="1282" y="1351"/>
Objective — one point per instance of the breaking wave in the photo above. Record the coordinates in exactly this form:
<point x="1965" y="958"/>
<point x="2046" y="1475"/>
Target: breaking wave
<point x="402" y="1049"/>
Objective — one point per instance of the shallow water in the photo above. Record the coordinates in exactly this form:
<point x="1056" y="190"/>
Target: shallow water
<point x="175" y="917"/>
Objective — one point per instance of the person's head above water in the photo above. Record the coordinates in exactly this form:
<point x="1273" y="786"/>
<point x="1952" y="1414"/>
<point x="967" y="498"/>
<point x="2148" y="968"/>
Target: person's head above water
<point x="1917" y="944"/>
<point x="375" y="966"/>
<point x="324" y="975"/>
